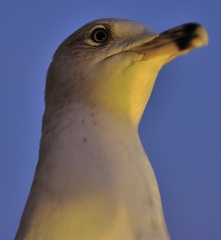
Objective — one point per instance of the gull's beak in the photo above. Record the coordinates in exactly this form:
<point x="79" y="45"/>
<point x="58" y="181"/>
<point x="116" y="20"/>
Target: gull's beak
<point x="174" y="42"/>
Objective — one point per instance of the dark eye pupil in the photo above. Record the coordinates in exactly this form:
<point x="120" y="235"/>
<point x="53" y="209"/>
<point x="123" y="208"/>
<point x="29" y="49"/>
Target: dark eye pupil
<point x="99" y="35"/>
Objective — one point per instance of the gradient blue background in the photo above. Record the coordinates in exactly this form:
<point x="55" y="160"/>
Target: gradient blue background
<point x="181" y="126"/>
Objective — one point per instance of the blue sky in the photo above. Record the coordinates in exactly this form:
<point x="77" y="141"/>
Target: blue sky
<point x="180" y="128"/>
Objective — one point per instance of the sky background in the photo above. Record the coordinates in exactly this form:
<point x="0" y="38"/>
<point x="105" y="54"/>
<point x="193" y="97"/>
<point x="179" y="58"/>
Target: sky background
<point x="180" y="128"/>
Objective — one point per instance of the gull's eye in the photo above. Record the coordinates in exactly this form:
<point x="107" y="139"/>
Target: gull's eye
<point x="99" y="35"/>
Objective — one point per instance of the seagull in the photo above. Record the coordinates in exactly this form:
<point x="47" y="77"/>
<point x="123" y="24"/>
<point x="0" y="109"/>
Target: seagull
<point x="93" y="180"/>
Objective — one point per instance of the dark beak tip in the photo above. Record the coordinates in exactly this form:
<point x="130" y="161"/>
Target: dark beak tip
<point x="187" y="36"/>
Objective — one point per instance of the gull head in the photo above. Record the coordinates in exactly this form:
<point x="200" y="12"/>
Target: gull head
<point x="113" y="63"/>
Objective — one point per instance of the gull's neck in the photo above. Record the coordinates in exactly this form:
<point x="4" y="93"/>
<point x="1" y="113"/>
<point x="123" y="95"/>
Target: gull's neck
<point x="92" y="174"/>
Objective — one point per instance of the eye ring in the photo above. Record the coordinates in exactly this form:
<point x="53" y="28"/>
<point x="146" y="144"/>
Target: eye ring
<point x="99" y="35"/>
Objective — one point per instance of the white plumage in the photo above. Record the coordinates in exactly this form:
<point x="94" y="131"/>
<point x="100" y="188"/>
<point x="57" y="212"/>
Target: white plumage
<point x="93" y="180"/>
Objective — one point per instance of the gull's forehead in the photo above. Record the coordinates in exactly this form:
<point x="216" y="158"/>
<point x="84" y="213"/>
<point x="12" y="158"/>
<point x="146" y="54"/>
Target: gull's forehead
<point x="122" y="32"/>
<point x="119" y="27"/>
